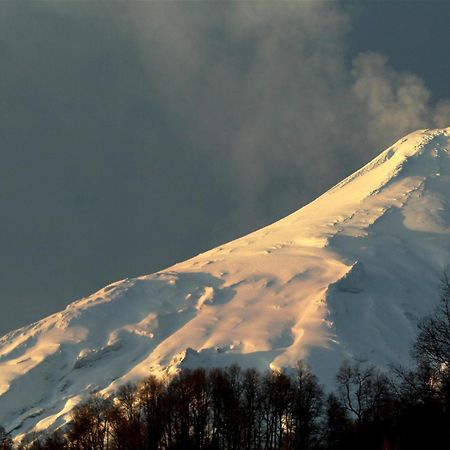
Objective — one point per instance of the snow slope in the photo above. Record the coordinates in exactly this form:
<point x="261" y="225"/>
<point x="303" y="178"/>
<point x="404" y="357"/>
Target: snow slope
<point x="347" y="276"/>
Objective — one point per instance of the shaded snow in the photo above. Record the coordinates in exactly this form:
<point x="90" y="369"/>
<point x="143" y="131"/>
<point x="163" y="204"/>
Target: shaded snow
<point x="347" y="276"/>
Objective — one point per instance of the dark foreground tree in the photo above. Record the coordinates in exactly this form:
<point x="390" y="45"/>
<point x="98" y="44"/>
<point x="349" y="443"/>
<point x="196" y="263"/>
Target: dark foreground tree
<point x="432" y="347"/>
<point x="6" y="442"/>
<point x="89" y="427"/>
<point x="364" y="391"/>
<point x="336" y="423"/>
<point x="307" y="404"/>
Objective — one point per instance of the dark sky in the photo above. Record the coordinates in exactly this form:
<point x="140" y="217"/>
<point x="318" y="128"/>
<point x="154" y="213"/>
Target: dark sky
<point x="135" y="135"/>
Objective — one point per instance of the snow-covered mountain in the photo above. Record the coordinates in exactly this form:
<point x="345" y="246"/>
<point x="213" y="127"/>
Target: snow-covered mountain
<point x="346" y="276"/>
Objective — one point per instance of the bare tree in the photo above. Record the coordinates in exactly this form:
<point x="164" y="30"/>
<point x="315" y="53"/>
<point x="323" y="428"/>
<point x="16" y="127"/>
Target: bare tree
<point x="307" y="402"/>
<point x="89" y="427"/>
<point x="151" y="392"/>
<point x="432" y="349"/>
<point x="362" y="390"/>
<point x="251" y="410"/>
<point x="336" y="422"/>
<point x="6" y="443"/>
<point x="433" y="342"/>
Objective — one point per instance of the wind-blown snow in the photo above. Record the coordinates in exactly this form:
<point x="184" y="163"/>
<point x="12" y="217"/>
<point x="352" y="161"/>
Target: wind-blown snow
<point x="347" y="276"/>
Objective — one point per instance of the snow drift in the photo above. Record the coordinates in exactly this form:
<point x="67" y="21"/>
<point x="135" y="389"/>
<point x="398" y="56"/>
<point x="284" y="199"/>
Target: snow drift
<point x="346" y="276"/>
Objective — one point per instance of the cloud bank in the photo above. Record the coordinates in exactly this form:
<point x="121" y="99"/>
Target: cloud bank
<point x="267" y="88"/>
<point x="136" y="134"/>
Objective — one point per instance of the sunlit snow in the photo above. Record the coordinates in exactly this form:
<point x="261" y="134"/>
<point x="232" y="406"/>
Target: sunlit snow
<point x="347" y="276"/>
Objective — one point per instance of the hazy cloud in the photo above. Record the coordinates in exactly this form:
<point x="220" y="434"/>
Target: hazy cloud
<point x="393" y="103"/>
<point x="135" y="134"/>
<point x="253" y="84"/>
<point x="265" y="86"/>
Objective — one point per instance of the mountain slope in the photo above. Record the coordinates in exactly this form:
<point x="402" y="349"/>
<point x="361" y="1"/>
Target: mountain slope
<point x="346" y="276"/>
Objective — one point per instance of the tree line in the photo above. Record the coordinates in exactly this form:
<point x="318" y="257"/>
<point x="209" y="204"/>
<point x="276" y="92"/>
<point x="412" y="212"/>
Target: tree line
<point x="235" y="409"/>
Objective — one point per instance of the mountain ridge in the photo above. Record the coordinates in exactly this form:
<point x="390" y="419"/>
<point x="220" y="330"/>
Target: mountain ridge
<point x="346" y="276"/>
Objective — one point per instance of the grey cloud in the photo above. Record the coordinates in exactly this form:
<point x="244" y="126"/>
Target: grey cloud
<point x="441" y="114"/>
<point x="394" y="103"/>
<point x="137" y="134"/>
<point x="254" y="85"/>
<point x="266" y="87"/>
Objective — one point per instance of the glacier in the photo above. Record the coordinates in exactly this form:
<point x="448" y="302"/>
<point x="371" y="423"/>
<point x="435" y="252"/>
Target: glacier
<point x="347" y="276"/>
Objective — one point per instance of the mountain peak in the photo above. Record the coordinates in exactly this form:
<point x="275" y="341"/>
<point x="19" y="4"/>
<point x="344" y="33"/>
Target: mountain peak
<point x="346" y="276"/>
